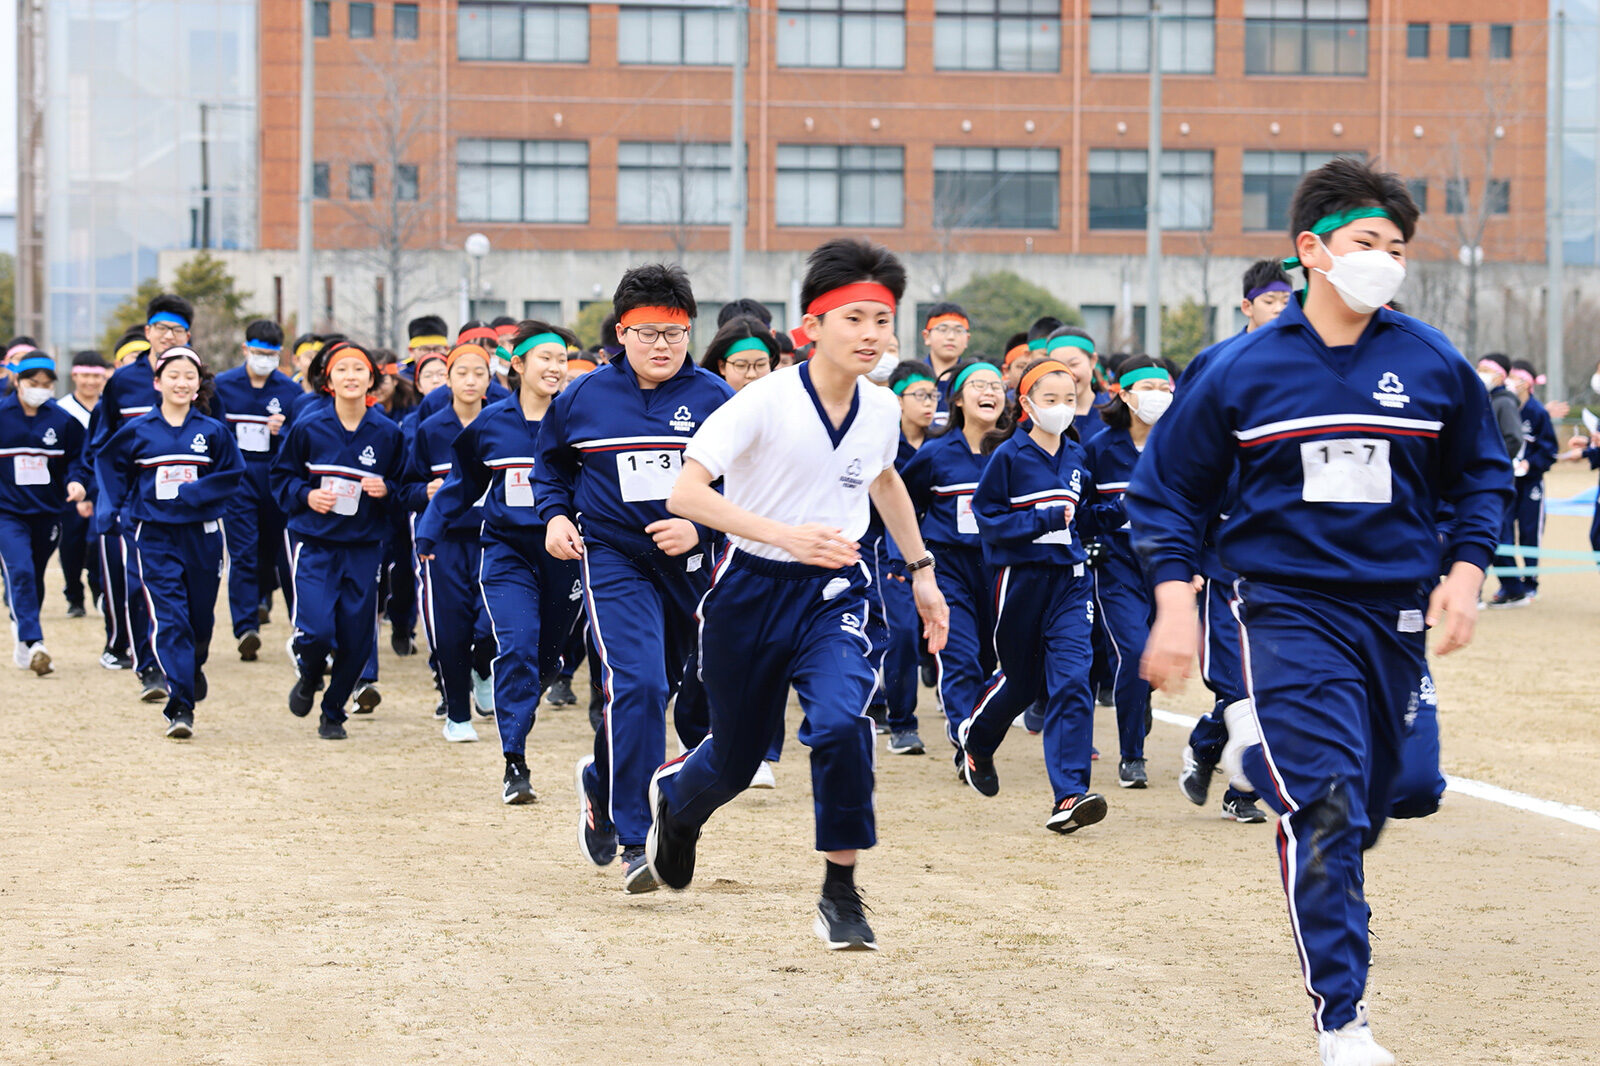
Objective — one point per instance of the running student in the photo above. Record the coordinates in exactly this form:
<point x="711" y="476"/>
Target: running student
<point x="800" y="454"/>
<point x="1524" y="521"/>
<point x="1348" y="425"/>
<point x="532" y="599"/>
<point x="946" y="332"/>
<point x="1034" y="504"/>
<point x="457" y="625"/>
<point x="168" y="476"/>
<point x="40" y="446"/>
<point x="609" y="451"/>
<point x="258" y="398"/>
<point x="1074" y="349"/>
<point x="333" y="477"/>
<point x="78" y="558"/>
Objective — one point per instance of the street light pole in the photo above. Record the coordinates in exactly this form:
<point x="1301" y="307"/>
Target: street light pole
<point x="738" y="181"/>
<point x="1152" y="226"/>
<point x="1555" y="358"/>
<point x="308" y="45"/>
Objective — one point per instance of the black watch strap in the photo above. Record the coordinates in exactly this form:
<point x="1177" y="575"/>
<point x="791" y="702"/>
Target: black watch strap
<point x="921" y="564"/>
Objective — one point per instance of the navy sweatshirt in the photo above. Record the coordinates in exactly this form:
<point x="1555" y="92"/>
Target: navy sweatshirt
<point x="1343" y="456"/>
<point x="152" y="471"/>
<point x="494" y="456"/>
<point x="1539" y="445"/>
<point x="1032" y="507"/>
<point x="319" y="452"/>
<point x="1112" y="457"/>
<point x="440" y="398"/>
<point x="248" y="410"/>
<point x="941" y="477"/>
<point x="39" y="456"/>
<point x="431" y="456"/>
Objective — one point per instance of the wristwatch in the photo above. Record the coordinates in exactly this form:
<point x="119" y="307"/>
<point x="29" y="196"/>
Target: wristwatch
<point x="921" y="564"/>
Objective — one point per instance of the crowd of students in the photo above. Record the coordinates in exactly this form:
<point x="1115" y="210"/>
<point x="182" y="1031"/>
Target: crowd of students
<point x="807" y="511"/>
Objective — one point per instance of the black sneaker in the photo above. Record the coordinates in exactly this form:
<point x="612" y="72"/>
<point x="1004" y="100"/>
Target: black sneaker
<point x="75" y="610"/>
<point x="202" y="687"/>
<point x="518" y="788"/>
<point x="670" y="846"/>
<point x="1131" y="774"/>
<point x="1239" y="808"/>
<point x="402" y="643"/>
<point x="597" y="837"/>
<point x="440" y="711"/>
<point x="976" y="770"/>
<point x="153" y="687"/>
<point x="328" y="729"/>
<point x="906" y="743"/>
<point x="180" y="725"/>
<point x="879" y="713"/>
<point x="303" y="695"/>
<point x="842" y="921"/>
<point x="1195" y="779"/>
<point x="1105" y="696"/>
<point x="1504" y="599"/>
<point x="1075" y="812"/>
<point x="636" y="875"/>
<point x="366" y="698"/>
<point x="560" y="693"/>
<point x="264" y="614"/>
<point x="929" y="676"/>
<point x="115" y="660"/>
<point x="249" y="644"/>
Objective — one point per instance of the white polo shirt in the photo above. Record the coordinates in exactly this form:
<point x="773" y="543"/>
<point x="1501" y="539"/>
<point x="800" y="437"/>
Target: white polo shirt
<point x="780" y="458"/>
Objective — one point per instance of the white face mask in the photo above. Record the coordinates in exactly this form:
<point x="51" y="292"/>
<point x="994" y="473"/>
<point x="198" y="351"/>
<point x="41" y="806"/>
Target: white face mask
<point x="1365" y="279"/>
<point x="1152" y="405"/>
<point x="261" y="364"/>
<point x="1052" y="419"/>
<point x="35" y="396"/>
<point x="1594" y="383"/>
<point x="886" y="364"/>
<point x="1487" y="379"/>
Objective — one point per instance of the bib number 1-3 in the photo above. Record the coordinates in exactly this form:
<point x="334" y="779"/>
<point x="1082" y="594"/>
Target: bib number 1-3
<point x="647" y="475"/>
<point x="1353" y="470"/>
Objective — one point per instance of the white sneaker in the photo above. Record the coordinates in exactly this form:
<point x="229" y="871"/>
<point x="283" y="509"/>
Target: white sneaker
<point x="764" y="777"/>
<point x="459" y="732"/>
<point x="1353" y="1045"/>
<point x="1242" y="733"/>
<point x="20" y="655"/>
<point x="38" y="658"/>
<point x="483" y="693"/>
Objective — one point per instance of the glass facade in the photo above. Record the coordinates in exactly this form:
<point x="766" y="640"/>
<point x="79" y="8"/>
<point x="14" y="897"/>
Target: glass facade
<point x="1580" y="140"/>
<point x="151" y="146"/>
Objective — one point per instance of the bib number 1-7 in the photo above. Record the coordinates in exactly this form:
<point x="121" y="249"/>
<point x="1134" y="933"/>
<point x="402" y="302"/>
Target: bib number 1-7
<point x="1351" y="470"/>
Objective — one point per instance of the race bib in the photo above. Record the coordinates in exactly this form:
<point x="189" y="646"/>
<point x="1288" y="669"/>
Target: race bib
<point x="346" y="494"/>
<point x="168" y="478"/>
<point x="519" y="486"/>
<point x="31" y="469"/>
<point x="254" y="437"/>
<point x="966" y="521"/>
<point x="1060" y="536"/>
<point x="648" y="475"/>
<point x="1353" y="470"/>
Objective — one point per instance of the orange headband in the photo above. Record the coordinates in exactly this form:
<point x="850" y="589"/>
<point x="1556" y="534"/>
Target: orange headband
<point x="951" y="317"/>
<point x="478" y="333"/>
<point x="576" y="367"/>
<point x="339" y="351"/>
<point x="673" y="315"/>
<point x="855" y="292"/>
<point x="465" y="349"/>
<point x="1014" y="354"/>
<point x="1031" y="378"/>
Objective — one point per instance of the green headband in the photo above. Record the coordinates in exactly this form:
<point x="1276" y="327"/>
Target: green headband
<point x="747" y="344"/>
<point x="1071" y="341"/>
<point x="1038" y="343"/>
<point x="1144" y="373"/>
<point x="531" y="343"/>
<point x="1338" y="220"/>
<point x="961" y="378"/>
<point x="899" y="388"/>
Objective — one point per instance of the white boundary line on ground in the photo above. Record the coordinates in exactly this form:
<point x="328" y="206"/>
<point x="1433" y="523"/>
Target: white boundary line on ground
<point x="1566" y="812"/>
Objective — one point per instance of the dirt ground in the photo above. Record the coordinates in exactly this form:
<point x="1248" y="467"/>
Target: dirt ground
<point x="256" y="895"/>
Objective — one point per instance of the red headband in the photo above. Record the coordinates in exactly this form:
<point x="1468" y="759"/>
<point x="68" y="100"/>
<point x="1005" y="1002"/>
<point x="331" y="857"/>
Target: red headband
<point x="950" y="317"/>
<point x="672" y="315"/>
<point x="856" y="292"/>
<point x="478" y="333"/>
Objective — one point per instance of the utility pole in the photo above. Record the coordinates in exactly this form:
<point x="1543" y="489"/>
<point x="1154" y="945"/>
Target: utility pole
<point x="1554" y="223"/>
<point x="30" y="295"/>
<point x="1152" y="216"/>
<point x="738" y="183"/>
<point x="308" y="46"/>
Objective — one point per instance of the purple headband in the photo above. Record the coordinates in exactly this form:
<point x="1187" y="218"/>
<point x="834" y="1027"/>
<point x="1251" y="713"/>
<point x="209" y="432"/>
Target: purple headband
<point x="1271" y="286"/>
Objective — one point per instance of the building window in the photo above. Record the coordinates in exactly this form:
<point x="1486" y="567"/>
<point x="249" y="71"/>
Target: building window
<point x="827" y="185"/>
<point x="405" y="181"/>
<point x="675" y="36"/>
<point x="996" y="188"/>
<point x="320" y="18"/>
<point x="1417" y="40"/>
<point x="1118" y="189"/>
<point x="1500" y="41"/>
<point x="842" y="33"/>
<point x="405" y="22"/>
<point x="360" y="181"/>
<point x="360" y="20"/>
<point x="1460" y="40"/>
<point x="1418" y="188"/>
<point x="532" y="33"/>
<point x="997" y="35"/>
<point x="669" y="184"/>
<point x="1269" y="182"/>
<point x="522" y="181"/>
<point x="319" y="181"/>
<point x="542" y="311"/>
<point x="1497" y="195"/>
<point x="1305" y="37"/>
<point x="1119" y="36"/>
<point x="1456" y="192"/>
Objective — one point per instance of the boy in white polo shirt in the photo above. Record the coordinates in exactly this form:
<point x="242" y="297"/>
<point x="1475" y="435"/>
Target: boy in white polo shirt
<point x="800" y="452"/>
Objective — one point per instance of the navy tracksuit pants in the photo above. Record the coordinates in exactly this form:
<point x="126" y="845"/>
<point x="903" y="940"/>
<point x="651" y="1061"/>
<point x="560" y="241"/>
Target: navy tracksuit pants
<point x="968" y="658"/>
<point x="180" y="570"/>
<point x="122" y="600"/>
<point x="1042" y="632"/>
<point x="531" y="599"/>
<point x="1222" y="669"/>
<point x="400" y="578"/>
<point x="1523" y="525"/>
<point x="80" y="557"/>
<point x="453" y="616"/>
<point x="257" y="562"/>
<point x="1332" y="679"/>
<point x="898" y="665"/>
<point x="336" y="612"/>
<point x="1420" y="784"/>
<point x="768" y="625"/>
<point x="1123" y="612"/>
<point x="641" y="606"/>
<point x="26" y="542"/>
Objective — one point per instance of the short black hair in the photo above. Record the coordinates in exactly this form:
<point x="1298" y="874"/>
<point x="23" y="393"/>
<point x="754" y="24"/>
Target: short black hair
<point x="172" y="304"/>
<point x="1116" y="413"/>
<point x="846" y="260"/>
<point x="744" y="307"/>
<point x="910" y="368"/>
<point x="608" y="334"/>
<point x="734" y="331"/>
<point x="29" y="341"/>
<point x="1499" y="359"/>
<point x="785" y="343"/>
<point x="89" y="357"/>
<point x="1263" y="272"/>
<point x="1015" y="340"/>
<point x="266" y="331"/>
<point x="304" y="338"/>
<point x="427" y="326"/>
<point x="1525" y="366"/>
<point x="1344" y="183"/>
<point x="132" y="333"/>
<point x="654" y="285"/>
<point x="501" y="320"/>
<point x="943" y="307"/>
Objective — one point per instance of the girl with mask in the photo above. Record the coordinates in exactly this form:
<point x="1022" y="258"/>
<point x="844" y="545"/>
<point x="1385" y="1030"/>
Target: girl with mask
<point x="1033" y="505"/>
<point x="1123" y="605"/>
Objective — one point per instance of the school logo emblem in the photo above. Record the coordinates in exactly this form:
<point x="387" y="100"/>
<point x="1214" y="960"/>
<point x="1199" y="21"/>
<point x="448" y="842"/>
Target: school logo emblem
<point x="367" y="457"/>
<point x="1429" y="695"/>
<point x="199" y="443"/>
<point x="274" y="407"/>
<point x="1076" y="484"/>
<point x="50" y="436"/>
<point x="851" y="478"/>
<point x="1391" y="391"/>
<point x="682" y="419"/>
<point x="851" y="624"/>
<point x="577" y="591"/>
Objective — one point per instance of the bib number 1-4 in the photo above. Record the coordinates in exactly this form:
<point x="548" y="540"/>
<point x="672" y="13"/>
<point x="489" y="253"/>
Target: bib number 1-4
<point x="31" y="470"/>
<point x="647" y="475"/>
<point x="1353" y="470"/>
<point x="519" y="486"/>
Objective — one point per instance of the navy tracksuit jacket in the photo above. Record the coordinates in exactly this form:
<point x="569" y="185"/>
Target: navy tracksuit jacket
<point x="1524" y="519"/>
<point x="40" y="455"/>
